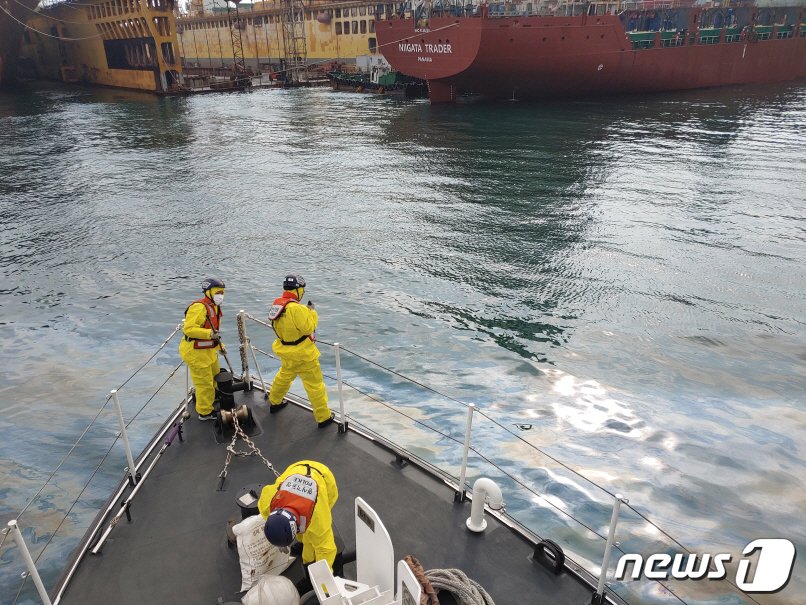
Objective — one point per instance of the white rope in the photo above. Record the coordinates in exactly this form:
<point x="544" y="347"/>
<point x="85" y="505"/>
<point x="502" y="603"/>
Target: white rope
<point x="464" y="590"/>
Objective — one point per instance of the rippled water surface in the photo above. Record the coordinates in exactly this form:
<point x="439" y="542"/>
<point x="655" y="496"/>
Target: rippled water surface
<point x="619" y="283"/>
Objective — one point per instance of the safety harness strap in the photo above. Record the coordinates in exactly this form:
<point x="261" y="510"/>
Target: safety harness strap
<point x="311" y="468"/>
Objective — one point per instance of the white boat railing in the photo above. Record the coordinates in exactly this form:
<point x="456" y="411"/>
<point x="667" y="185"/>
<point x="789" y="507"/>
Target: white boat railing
<point x="131" y="474"/>
<point x="608" y="505"/>
<point x="16" y="535"/>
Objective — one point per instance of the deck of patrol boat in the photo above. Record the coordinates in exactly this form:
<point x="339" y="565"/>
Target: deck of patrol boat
<point x="175" y="548"/>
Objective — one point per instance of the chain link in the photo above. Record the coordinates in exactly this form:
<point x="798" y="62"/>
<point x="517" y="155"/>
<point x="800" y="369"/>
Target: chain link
<point x="253" y="450"/>
<point x="230" y="451"/>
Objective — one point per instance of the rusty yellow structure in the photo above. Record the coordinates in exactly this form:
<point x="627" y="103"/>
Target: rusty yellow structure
<point x="339" y="31"/>
<point x="147" y="45"/>
<point x="119" y="43"/>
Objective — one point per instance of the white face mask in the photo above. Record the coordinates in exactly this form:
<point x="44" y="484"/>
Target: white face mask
<point x="218" y="298"/>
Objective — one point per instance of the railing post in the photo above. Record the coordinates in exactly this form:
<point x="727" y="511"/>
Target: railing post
<point x="257" y="367"/>
<point x="342" y="420"/>
<point x="186" y="413"/>
<point x="462" y="493"/>
<point x="598" y="597"/>
<point x="125" y="436"/>
<point x="29" y="562"/>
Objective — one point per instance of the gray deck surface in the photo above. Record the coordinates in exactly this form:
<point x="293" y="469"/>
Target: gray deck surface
<point x="175" y="549"/>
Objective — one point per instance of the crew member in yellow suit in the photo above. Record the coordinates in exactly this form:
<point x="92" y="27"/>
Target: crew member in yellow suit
<point x="298" y="505"/>
<point x="294" y="324"/>
<point x="199" y="348"/>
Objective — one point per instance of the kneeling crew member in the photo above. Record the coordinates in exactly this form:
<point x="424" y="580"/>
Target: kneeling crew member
<point x="298" y="506"/>
<point x="199" y="348"/>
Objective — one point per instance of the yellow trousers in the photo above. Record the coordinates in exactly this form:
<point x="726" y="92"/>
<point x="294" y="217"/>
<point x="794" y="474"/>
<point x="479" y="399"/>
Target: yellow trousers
<point x="311" y="374"/>
<point x="202" y="377"/>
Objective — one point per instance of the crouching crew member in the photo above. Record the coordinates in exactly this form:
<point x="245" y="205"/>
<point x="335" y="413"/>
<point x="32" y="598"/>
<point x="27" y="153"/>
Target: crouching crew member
<point x="199" y="348"/>
<point x="298" y="506"/>
<point x="295" y="324"/>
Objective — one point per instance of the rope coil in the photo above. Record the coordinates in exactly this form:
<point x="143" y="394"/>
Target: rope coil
<point x="465" y="590"/>
<point x="429" y="594"/>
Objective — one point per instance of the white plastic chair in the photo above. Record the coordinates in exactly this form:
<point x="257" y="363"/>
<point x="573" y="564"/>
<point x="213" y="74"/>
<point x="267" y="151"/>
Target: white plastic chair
<point x="375" y="563"/>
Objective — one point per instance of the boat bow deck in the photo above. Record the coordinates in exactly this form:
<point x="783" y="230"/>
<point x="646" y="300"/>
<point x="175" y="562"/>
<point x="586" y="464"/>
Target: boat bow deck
<point x="175" y="549"/>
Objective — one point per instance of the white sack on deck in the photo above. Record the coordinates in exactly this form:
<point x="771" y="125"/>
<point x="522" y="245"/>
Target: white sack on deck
<point x="257" y="555"/>
<point x="272" y="590"/>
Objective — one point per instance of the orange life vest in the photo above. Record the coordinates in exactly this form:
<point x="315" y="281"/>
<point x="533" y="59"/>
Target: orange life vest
<point x="276" y="311"/>
<point x="279" y="305"/>
<point x="213" y="321"/>
<point x="298" y="494"/>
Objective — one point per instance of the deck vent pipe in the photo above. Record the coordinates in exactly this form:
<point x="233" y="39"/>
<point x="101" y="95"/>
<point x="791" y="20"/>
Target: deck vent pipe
<point x="485" y="491"/>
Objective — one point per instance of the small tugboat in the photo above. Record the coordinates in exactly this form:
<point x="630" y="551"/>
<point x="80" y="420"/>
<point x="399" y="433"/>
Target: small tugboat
<point x="380" y="80"/>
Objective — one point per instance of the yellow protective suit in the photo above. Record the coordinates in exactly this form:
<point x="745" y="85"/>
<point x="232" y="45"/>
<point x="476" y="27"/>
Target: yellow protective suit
<point x="298" y="360"/>
<point x="317" y="542"/>
<point x="202" y="363"/>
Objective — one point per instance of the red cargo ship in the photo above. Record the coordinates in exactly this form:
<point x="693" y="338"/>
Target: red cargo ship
<point x="545" y="49"/>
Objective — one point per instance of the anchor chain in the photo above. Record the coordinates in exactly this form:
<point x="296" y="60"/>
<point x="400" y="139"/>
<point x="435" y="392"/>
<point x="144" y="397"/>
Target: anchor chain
<point x="223" y="474"/>
<point x="255" y="449"/>
<point x="231" y="451"/>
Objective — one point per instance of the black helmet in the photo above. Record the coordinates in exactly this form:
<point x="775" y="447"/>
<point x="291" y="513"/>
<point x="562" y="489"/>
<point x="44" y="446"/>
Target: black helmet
<point x="292" y="282"/>
<point x="212" y="282"/>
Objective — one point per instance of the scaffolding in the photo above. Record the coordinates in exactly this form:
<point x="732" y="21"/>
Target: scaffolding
<point x="295" y="52"/>
<point x="235" y="26"/>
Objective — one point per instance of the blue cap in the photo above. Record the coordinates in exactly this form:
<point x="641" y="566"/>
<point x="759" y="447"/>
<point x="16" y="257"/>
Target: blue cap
<point x="281" y="527"/>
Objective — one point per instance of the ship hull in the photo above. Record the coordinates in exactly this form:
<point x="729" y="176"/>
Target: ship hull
<point x="541" y="57"/>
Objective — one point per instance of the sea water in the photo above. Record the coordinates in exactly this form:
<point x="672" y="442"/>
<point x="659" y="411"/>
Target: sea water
<point x="619" y="283"/>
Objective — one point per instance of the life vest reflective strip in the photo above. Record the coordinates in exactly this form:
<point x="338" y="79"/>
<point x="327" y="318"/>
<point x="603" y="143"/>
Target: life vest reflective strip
<point x="276" y="311"/>
<point x="298" y="494"/>
<point x="278" y="307"/>
<point x="213" y="321"/>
